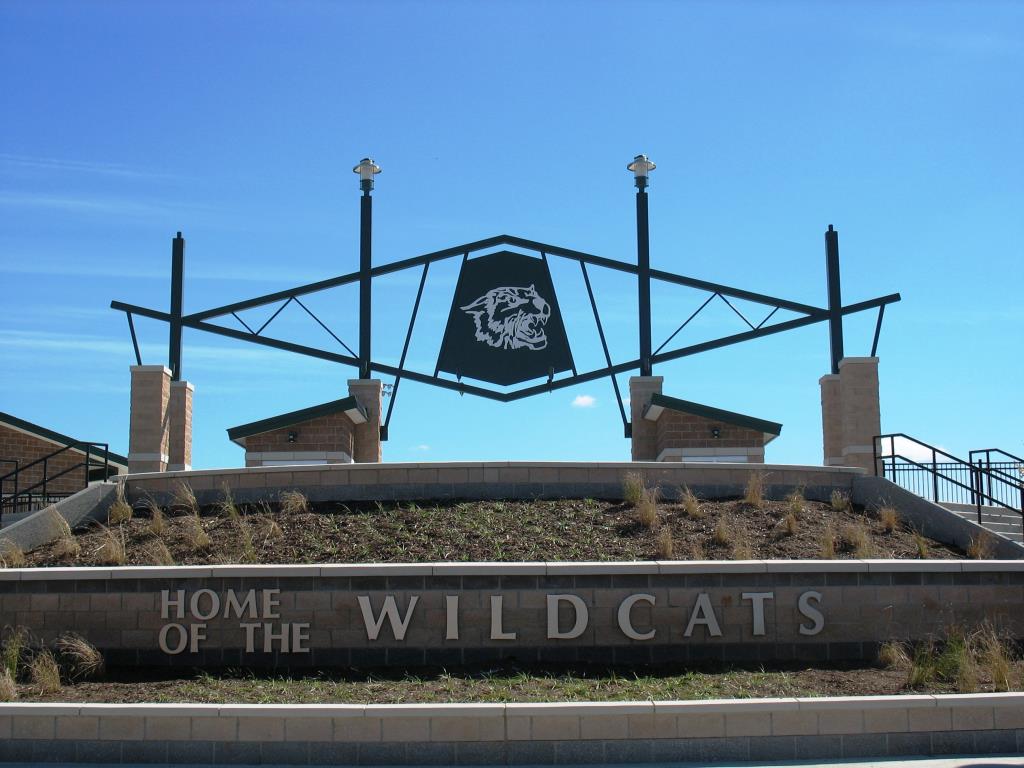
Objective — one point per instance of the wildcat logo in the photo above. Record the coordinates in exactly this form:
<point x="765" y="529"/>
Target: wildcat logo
<point x="510" y="318"/>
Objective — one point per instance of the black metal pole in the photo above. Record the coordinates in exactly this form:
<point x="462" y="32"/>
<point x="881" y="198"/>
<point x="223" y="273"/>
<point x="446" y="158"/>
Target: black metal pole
<point x="177" y="296"/>
<point x="365" y="227"/>
<point x="643" y="257"/>
<point x="835" y="301"/>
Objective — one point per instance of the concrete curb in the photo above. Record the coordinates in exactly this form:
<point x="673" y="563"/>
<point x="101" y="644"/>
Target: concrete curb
<point x="44" y="526"/>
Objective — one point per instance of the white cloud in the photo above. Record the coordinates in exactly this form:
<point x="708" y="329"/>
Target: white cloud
<point x="87" y="166"/>
<point x="911" y="450"/>
<point x="584" y="401"/>
<point x="421" y="447"/>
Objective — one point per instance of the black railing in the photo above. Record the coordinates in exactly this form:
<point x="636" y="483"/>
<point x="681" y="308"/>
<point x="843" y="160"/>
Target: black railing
<point x="943" y="477"/>
<point x="94" y="464"/>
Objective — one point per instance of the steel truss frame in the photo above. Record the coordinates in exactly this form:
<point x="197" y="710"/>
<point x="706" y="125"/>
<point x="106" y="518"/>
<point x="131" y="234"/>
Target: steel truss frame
<point x="809" y="315"/>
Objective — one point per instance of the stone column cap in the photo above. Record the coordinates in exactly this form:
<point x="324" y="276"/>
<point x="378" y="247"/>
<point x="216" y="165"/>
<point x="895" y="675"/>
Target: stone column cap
<point x="829" y="377"/>
<point x="187" y="384"/>
<point x="646" y="379"/>
<point x="150" y="369"/>
<point x="858" y="361"/>
<point x="364" y="382"/>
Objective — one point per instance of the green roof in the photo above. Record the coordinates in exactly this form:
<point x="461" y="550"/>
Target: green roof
<point x="717" y="414"/>
<point x="295" y="417"/>
<point x="55" y="437"/>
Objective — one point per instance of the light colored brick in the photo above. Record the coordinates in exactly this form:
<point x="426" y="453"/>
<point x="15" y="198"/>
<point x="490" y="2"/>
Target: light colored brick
<point x="794" y="723"/>
<point x="308" y="729"/>
<point x="973" y="718"/>
<point x="406" y="728"/>
<point x="357" y="728"/>
<point x="836" y="721"/>
<point x="261" y="728"/>
<point x="215" y="728"/>
<point x="33" y="726"/>
<point x="122" y="728"/>
<point x="930" y="719"/>
<point x="555" y="727"/>
<point x="886" y="721"/>
<point x="168" y="728"/>
<point x="748" y="724"/>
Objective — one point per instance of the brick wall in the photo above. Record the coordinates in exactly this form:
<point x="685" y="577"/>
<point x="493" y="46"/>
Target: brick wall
<point x="680" y="612"/>
<point x="15" y="444"/>
<point x="685" y="430"/>
<point x="328" y="433"/>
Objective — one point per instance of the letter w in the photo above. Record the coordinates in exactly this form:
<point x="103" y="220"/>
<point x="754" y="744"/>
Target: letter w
<point x="390" y="612"/>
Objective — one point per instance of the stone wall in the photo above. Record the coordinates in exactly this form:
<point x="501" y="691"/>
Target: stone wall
<point x="452" y="614"/>
<point x="490" y="480"/>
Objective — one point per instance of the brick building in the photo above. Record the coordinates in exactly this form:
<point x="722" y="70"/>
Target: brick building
<point x="23" y="443"/>
<point x="321" y="434"/>
<point x="686" y="431"/>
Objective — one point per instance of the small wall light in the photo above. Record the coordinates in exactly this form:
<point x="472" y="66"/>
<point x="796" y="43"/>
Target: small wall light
<point x="292" y="437"/>
<point x="366" y="169"/>
<point x="716" y="432"/>
<point x="641" y="168"/>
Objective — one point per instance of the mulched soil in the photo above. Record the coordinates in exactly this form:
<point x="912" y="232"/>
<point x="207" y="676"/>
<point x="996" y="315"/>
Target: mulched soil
<point x="495" y="685"/>
<point x="562" y="530"/>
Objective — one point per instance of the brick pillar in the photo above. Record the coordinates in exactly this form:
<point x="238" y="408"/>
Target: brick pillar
<point x="180" y="426"/>
<point x="148" y="431"/>
<point x="831" y="420"/>
<point x="366" y="437"/>
<point x="645" y="433"/>
<point x="861" y="413"/>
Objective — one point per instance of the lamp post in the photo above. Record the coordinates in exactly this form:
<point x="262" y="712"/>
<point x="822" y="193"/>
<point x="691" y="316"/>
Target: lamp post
<point x="177" y="297"/>
<point x="366" y="169"/>
<point x="835" y="299"/>
<point x="641" y="168"/>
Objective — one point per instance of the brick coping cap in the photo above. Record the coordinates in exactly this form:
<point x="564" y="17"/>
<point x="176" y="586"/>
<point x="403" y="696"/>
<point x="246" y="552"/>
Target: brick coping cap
<point x="671" y="466"/>
<point x="658" y="567"/>
<point x="689" y="707"/>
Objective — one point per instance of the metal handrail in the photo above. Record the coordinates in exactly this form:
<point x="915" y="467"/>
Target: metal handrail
<point x="94" y="452"/>
<point x="981" y="474"/>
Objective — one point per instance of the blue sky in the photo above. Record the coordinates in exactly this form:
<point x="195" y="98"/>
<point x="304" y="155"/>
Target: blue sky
<point x="238" y="123"/>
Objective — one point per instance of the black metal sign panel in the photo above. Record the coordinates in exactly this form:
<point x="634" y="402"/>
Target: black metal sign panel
<point x="505" y="326"/>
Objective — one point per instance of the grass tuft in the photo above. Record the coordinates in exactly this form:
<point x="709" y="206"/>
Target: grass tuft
<point x="889" y="518"/>
<point x="856" y="538"/>
<point x="922" y="546"/>
<point x="67" y="548"/>
<point x="790" y="524"/>
<point x="666" y="549"/>
<point x="158" y="554"/>
<point x="227" y="508"/>
<point x="44" y="673"/>
<point x="840" y="501"/>
<point x="11" y="555"/>
<point x="691" y="505"/>
<point x="827" y="544"/>
<point x="894" y="655"/>
<point x="696" y="550"/>
<point x="82" y="659"/>
<point x="112" y="549"/>
<point x="995" y="656"/>
<point x="795" y="503"/>
<point x="13" y="653"/>
<point x="8" y="688"/>
<point x="120" y="511"/>
<point x="722" y="534"/>
<point x="183" y="498"/>
<point x="754" y="492"/>
<point x="633" y="488"/>
<point x="156" y="525"/>
<point x="647" y="510"/>
<point x="981" y="547"/>
<point x="742" y="549"/>
<point x="294" y="502"/>
<point x="196" y="537"/>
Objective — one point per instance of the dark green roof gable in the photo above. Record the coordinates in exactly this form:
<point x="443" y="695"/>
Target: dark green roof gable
<point x="345" y="405"/>
<point x="658" y="402"/>
<point x="54" y="437"/>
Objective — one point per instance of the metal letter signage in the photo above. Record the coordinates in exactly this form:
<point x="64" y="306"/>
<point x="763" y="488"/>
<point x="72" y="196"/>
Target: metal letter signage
<point x="505" y="326"/>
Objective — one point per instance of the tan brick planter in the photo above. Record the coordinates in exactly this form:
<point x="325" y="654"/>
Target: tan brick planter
<point x="454" y="734"/>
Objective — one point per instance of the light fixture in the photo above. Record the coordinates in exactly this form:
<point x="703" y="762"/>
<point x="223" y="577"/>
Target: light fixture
<point x="641" y="168"/>
<point x="716" y="432"/>
<point x="366" y="169"/>
<point x="292" y="437"/>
